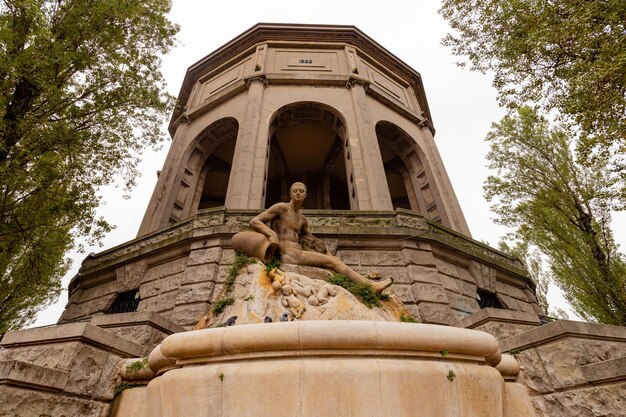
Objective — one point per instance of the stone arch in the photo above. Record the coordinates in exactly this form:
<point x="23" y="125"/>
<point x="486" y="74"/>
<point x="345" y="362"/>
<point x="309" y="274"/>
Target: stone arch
<point x="206" y="169"/>
<point x="308" y="143"/>
<point x="407" y="171"/>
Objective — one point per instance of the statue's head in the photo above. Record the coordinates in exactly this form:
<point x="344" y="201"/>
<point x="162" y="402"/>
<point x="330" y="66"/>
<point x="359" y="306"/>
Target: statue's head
<point x="297" y="191"/>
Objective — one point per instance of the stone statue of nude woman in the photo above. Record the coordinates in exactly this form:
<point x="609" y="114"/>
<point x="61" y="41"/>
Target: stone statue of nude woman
<point x="288" y="228"/>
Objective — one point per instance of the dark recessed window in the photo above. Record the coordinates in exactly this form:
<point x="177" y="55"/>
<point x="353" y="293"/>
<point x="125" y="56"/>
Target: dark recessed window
<point x="125" y="302"/>
<point x="486" y="300"/>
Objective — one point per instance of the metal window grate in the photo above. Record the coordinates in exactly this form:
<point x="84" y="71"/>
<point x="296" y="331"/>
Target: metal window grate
<point x="125" y="302"/>
<point x="487" y="300"/>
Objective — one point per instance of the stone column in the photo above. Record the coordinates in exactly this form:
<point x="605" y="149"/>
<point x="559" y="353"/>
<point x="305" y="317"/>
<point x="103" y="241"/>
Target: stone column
<point x="450" y="204"/>
<point x="371" y="183"/>
<point x="245" y="171"/>
<point x="160" y="206"/>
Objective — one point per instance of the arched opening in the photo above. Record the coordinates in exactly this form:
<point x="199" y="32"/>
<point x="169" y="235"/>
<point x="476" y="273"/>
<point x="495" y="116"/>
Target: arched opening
<point x="204" y="178"/>
<point x="407" y="177"/>
<point x="219" y="141"/>
<point x="307" y="145"/>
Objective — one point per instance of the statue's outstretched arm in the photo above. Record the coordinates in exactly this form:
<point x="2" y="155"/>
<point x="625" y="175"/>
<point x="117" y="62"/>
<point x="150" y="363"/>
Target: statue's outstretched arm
<point x="258" y="223"/>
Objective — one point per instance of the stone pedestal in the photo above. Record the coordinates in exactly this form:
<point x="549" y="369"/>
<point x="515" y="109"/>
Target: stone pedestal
<point x="327" y="368"/>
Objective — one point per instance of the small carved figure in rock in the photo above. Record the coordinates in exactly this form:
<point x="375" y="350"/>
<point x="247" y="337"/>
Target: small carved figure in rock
<point x="291" y="302"/>
<point x="290" y="227"/>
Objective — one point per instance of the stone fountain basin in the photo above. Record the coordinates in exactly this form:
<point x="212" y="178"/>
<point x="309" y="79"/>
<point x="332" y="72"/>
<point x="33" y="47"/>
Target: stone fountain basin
<point x="327" y="368"/>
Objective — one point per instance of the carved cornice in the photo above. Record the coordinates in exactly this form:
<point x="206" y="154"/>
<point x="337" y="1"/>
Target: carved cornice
<point x="257" y="79"/>
<point x="307" y="35"/>
<point x="354" y="81"/>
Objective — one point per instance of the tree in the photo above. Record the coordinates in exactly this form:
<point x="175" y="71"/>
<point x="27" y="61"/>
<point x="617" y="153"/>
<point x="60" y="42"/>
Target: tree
<point x="561" y="207"/>
<point x="533" y="261"/>
<point x="81" y="93"/>
<point x="564" y="55"/>
<point x="534" y="265"/>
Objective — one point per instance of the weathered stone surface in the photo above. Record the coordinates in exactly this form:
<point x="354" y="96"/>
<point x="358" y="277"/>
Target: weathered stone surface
<point x="499" y="322"/>
<point x="465" y="275"/>
<point x="131" y="402"/>
<point x="447" y="269"/>
<point x="222" y="274"/>
<point x="88" y="308"/>
<point x="324" y="221"/>
<point x="23" y="402"/>
<point x="458" y="314"/>
<point x="484" y="276"/>
<point x="98" y="291"/>
<point x="53" y="336"/>
<point x="255" y="300"/>
<point x="205" y="256"/>
<point x="468" y="289"/>
<point x="516" y="292"/>
<point x="424" y="274"/>
<point x="429" y="292"/>
<point x="524" y="306"/>
<point x="194" y="293"/>
<point x="607" y="400"/>
<point x="509" y="302"/>
<point x="504" y="330"/>
<point x="465" y="304"/>
<point x="161" y="285"/>
<point x="349" y="257"/>
<point x="16" y="372"/>
<point x="309" y="271"/>
<point x="449" y="283"/>
<point x="369" y="221"/>
<point x="130" y="276"/>
<point x="91" y="370"/>
<point x="405" y="292"/>
<point x="145" y="336"/>
<point x="159" y="303"/>
<point x="150" y="319"/>
<point x="418" y="257"/>
<point x="533" y="373"/>
<point x="435" y="313"/>
<point x="562" y="359"/>
<point x="228" y="257"/>
<point x="168" y="268"/>
<point x="413" y="310"/>
<point x="376" y="258"/>
<point x="200" y="273"/>
<point x="608" y="370"/>
<point x="187" y="315"/>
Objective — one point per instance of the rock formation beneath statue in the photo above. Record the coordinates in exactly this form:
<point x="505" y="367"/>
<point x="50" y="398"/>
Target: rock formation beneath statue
<point x="294" y="292"/>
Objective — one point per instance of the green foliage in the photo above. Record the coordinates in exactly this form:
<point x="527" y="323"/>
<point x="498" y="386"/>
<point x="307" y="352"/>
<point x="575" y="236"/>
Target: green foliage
<point x="562" y="208"/>
<point x="81" y="93"/>
<point x="221" y="304"/>
<point x="241" y="260"/>
<point x="451" y="375"/>
<point x="566" y="55"/>
<point x="124" y="386"/>
<point x="407" y="318"/>
<point x="221" y="376"/>
<point x="273" y="263"/>
<point x="137" y="365"/>
<point x="363" y="291"/>
<point x="514" y="351"/>
<point x="444" y="352"/>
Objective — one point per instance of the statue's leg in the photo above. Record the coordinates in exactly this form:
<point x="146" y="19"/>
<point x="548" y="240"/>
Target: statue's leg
<point x="337" y="265"/>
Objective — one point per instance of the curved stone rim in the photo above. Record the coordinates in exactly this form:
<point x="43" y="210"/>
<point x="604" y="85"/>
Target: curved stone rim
<point x="358" y="337"/>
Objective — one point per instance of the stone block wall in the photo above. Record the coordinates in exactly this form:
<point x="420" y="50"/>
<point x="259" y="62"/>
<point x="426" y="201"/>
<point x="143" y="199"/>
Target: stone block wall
<point x="72" y="369"/>
<point x="573" y="368"/>
<point x="180" y="271"/>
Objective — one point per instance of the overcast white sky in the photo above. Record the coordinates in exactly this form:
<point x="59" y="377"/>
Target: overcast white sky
<point x="463" y="103"/>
